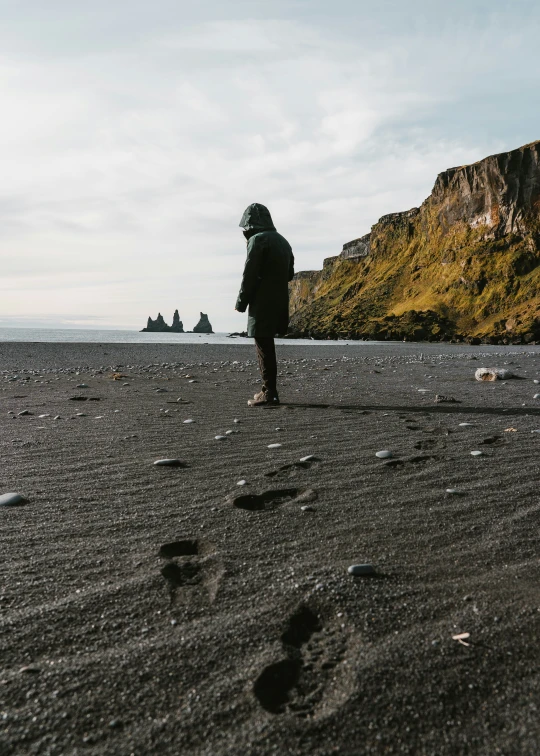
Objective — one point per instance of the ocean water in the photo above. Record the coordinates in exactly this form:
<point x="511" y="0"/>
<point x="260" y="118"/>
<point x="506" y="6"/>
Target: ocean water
<point x="76" y="336"/>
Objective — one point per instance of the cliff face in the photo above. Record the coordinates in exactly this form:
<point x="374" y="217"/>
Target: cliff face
<point x="466" y="264"/>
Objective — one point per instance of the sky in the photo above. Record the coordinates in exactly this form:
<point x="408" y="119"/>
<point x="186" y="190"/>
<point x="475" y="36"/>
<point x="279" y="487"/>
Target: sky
<point x="133" y="134"/>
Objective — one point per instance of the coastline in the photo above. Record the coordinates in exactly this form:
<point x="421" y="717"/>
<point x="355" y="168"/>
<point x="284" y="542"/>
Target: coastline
<point x="103" y="654"/>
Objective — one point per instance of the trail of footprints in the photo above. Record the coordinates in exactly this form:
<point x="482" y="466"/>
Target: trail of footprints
<point x="304" y="681"/>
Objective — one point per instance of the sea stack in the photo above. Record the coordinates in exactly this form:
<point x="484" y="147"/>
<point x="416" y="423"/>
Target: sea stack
<point x="160" y="326"/>
<point x="203" y="326"/>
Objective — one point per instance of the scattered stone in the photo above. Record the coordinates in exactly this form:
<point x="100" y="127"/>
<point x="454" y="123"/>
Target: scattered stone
<point x="30" y="669"/>
<point x="81" y="414"/>
<point x="220" y="438"/>
<point x="274" y="446"/>
<point x="493" y="374"/>
<point x="169" y="463"/>
<point x="466" y="425"/>
<point x="242" y="482"/>
<point x="476" y="453"/>
<point x="192" y="381"/>
<point x="42" y="416"/>
<point x="57" y="417"/>
<point x="536" y="396"/>
<point x="188" y="421"/>
<point x="82" y="385"/>
<point x="384" y="454"/>
<point x="309" y="458"/>
<point x="453" y="491"/>
<point x="161" y="391"/>
<point x="12" y="500"/>
<point x="236" y="420"/>
<point x="535" y="381"/>
<point x="25" y="412"/>
<point x="307" y="508"/>
<point x="361" y="570"/>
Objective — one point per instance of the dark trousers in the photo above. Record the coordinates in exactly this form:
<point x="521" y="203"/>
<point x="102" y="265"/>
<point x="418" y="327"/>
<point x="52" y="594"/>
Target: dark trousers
<point x="266" y="354"/>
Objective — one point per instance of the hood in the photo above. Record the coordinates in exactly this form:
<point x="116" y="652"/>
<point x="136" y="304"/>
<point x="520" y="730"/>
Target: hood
<point x="257" y="218"/>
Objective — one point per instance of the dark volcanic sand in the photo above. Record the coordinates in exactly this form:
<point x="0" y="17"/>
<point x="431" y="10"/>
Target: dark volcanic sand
<point x="249" y="637"/>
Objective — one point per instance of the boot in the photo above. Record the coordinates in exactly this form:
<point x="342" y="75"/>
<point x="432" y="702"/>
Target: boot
<point x="264" y="399"/>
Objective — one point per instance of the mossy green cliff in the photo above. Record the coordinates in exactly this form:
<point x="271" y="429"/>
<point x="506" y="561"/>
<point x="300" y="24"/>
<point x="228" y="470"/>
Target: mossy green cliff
<point x="465" y="265"/>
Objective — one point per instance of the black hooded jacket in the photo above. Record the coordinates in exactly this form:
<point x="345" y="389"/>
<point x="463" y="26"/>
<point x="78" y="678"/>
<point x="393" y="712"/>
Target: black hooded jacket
<point x="268" y="270"/>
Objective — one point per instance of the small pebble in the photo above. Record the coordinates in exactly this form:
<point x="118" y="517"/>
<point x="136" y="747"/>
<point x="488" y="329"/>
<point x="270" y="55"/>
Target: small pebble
<point x="25" y="412"/>
<point x="535" y="381"/>
<point x="536" y="396"/>
<point x="220" y="438"/>
<point x="309" y="458"/>
<point x="12" y="500"/>
<point x="476" y="453"/>
<point x="161" y="391"/>
<point x="384" y="454"/>
<point x="274" y="446"/>
<point x="359" y="570"/>
<point x="81" y="414"/>
<point x="42" y="416"/>
<point x="188" y="421"/>
<point x="169" y="463"/>
<point x="57" y="417"/>
<point x="465" y="425"/>
<point x="236" y="420"/>
<point x="453" y="491"/>
<point x="242" y="482"/>
<point x="307" y="508"/>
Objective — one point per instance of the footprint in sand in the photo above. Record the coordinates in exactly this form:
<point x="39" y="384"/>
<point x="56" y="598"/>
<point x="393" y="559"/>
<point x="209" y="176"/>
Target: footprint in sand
<point x="418" y="459"/>
<point x="293" y="467"/>
<point x="191" y="566"/>
<point x="266" y="501"/>
<point x="306" y="682"/>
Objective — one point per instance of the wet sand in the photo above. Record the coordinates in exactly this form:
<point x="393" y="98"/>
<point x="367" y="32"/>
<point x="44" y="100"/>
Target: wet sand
<point x="248" y="636"/>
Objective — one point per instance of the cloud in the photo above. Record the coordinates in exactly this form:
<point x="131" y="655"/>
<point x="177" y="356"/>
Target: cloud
<point x="131" y="146"/>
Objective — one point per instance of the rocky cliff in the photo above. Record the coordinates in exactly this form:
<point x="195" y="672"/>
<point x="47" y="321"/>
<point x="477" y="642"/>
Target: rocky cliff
<point x="203" y="326"/>
<point x="465" y="265"/>
<point x="160" y="326"/>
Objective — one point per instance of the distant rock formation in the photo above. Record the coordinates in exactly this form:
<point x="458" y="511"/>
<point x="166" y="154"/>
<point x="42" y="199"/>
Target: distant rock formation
<point x="465" y="266"/>
<point x="203" y="326"/>
<point x="160" y="326"/>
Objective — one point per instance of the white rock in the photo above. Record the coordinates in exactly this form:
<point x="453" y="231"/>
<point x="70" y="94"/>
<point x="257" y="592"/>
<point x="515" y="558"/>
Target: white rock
<point x="384" y="454"/>
<point x="229" y="432"/>
<point x="307" y="508"/>
<point x="168" y="463"/>
<point x="453" y="491"/>
<point x="161" y="391"/>
<point x="476" y="453"/>
<point x="236" y="420"/>
<point x="12" y="500"/>
<point x="192" y="381"/>
<point x="466" y="425"/>
<point x="359" y="570"/>
<point x="274" y="446"/>
<point x="25" y="412"/>
<point x="188" y="421"/>
<point x="535" y="381"/>
<point x="42" y="416"/>
<point x="308" y="458"/>
<point x="536" y="396"/>
<point x="220" y="438"/>
<point x="242" y="483"/>
<point x="81" y="414"/>
<point x="493" y="374"/>
<point x="57" y="417"/>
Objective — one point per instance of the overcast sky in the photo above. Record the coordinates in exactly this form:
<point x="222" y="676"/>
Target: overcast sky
<point x="133" y="133"/>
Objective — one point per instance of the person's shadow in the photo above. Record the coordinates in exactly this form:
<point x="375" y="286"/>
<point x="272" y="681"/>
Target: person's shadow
<point x="438" y="409"/>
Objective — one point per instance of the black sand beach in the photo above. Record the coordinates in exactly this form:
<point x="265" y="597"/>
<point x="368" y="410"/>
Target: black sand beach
<point x="248" y="636"/>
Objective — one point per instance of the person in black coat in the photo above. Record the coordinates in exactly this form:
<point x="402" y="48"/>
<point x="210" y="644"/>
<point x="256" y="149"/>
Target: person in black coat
<point x="264" y="292"/>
